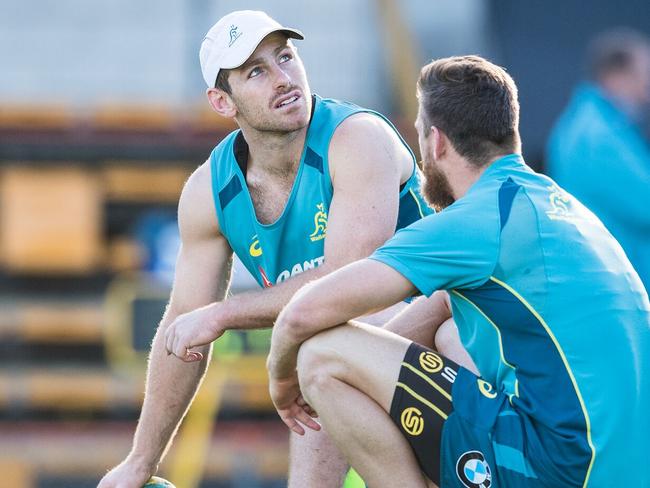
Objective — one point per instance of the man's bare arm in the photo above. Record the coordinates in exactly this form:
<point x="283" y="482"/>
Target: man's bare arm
<point x="367" y="164"/>
<point x="347" y="293"/>
<point x="201" y="277"/>
<point x="420" y="321"/>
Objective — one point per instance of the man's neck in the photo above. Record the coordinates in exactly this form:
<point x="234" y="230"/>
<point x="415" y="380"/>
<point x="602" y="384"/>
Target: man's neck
<point x="463" y="179"/>
<point x="465" y="174"/>
<point x="274" y="152"/>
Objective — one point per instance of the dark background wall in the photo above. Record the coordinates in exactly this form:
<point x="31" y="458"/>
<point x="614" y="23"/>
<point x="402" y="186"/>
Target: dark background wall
<point x="543" y="44"/>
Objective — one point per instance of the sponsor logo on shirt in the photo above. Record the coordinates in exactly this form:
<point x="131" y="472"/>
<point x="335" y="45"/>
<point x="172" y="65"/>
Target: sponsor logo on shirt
<point x="255" y="249"/>
<point x="300" y="268"/>
<point x="265" y="279"/>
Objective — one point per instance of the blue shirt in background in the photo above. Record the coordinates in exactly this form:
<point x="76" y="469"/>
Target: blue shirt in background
<point x="597" y="153"/>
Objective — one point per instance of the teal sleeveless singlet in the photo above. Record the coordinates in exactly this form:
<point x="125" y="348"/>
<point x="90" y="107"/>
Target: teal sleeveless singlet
<point x="295" y="241"/>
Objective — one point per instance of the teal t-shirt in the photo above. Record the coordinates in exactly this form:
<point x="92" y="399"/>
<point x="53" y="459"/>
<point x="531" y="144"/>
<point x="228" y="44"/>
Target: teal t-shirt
<point x="293" y="243"/>
<point x="550" y="310"/>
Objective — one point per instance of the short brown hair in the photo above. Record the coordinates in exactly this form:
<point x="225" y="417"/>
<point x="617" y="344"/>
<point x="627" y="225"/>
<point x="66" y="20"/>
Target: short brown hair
<point x="222" y="83"/>
<point x="474" y="102"/>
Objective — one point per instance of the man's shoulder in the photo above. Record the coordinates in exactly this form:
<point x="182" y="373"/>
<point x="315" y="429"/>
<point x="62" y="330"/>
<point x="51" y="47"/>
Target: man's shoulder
<point x="366" y="142"/>
<point x="196" y="207"/>
<point x="198" y="184"/>
<point x="347" y="116"/>
<point x="362" y="124"/>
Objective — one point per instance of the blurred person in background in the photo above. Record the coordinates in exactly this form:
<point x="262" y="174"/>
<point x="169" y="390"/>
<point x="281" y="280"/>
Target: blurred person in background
<point x="597" y="151"/>
<point x="305" y="186"/>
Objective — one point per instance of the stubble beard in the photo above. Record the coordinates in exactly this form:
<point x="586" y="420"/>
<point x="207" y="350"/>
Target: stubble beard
<point x="269" y="123"/>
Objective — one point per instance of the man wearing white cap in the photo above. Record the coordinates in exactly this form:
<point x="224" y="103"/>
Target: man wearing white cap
<point x="305" y="186"/>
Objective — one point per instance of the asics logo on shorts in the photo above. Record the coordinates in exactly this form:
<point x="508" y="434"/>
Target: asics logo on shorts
<point x="486" y="389"/>
<point x="412" y="421"/>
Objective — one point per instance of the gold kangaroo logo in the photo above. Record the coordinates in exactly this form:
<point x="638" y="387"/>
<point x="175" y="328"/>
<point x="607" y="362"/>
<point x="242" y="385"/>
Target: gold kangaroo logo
<point x="412" y="421"/>
<point x="320" y="223"/>
<point x="559" y="201"/>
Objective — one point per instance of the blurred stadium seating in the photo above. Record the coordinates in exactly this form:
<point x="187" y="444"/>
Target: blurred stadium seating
<point x="78" y="315"/>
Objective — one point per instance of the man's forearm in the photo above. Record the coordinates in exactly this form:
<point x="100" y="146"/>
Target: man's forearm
<point x="330" y="301"/>
<point x="259" y="309"/>
<point x="170" y="387"/>
<point x="292" y="328"/>
<point x="281" y="362"/>
<point x="420" y="320"/>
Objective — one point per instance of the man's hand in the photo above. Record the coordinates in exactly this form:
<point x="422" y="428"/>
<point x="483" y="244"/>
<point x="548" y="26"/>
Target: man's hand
<point x="196" y="328"/>
<point x="290" y="404"/>
<point x="128" y="474"/>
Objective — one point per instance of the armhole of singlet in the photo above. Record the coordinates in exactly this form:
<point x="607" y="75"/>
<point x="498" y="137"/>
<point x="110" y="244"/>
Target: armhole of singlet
<point x="215" y="195"/>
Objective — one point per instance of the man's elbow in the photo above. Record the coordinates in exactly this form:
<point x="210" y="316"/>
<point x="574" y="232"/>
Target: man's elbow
<point x="296" y="322"/>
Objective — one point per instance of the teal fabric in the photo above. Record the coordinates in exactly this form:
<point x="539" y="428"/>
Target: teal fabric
<point x="486" y="443"/>
<point x="295" y="242"/>
<point x="597" y="153"/>
<point x="512" y="459"/>
<point x="552" y="313"/>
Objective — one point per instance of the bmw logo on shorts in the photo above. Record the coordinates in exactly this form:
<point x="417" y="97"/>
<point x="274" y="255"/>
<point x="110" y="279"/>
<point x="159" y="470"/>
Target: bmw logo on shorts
<point x="473" y="471"/>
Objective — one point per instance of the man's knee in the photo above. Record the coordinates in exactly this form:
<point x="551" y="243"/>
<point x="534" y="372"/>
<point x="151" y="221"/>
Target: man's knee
<point x="319" y="362"/>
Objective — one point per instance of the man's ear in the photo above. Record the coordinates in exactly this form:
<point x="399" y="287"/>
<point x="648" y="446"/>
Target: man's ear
<point x="221" y="102"/>
<point x="440" y="142"/>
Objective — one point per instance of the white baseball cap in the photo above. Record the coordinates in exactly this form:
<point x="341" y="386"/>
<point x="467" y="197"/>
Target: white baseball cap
<point x="231" y="41"/>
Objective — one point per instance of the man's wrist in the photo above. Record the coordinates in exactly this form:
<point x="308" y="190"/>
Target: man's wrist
<point x="222" y="316"/>
<point x="280" y="367"/>
<point x="272" y="366"/>
<point x="142" y="463"/>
